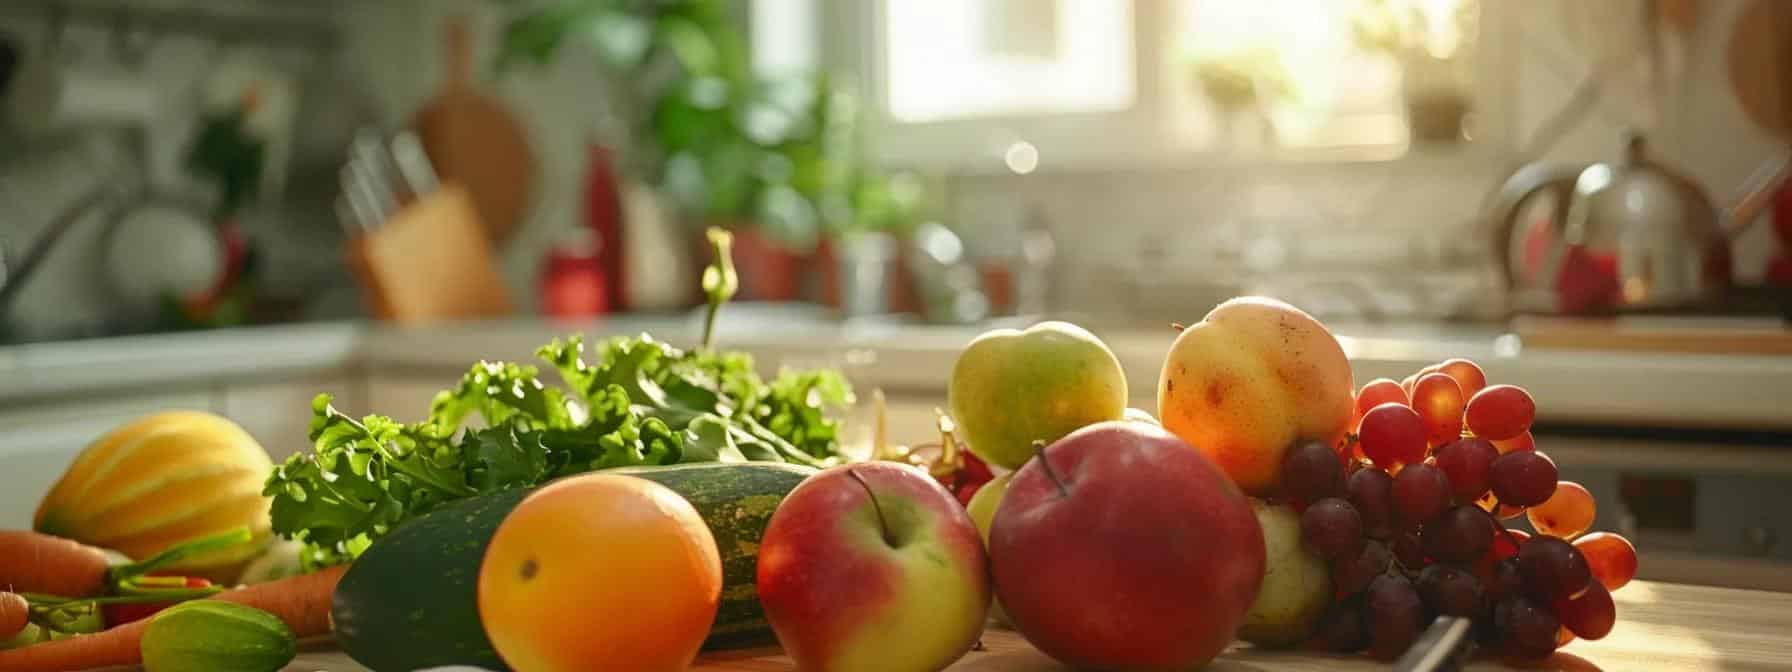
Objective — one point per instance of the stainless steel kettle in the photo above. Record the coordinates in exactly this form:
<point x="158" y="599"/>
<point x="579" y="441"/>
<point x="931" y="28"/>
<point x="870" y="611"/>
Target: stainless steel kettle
<point x="1626" y="235"/>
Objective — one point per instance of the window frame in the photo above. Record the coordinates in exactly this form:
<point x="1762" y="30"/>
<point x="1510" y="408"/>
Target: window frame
<point x="1134" y="137"/>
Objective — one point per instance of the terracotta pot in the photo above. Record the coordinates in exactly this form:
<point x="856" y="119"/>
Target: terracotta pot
<point x="768" y="271"/>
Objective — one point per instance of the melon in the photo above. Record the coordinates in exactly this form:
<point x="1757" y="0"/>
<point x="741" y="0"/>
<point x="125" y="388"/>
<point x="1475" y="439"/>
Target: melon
<point x="161" y="480"/>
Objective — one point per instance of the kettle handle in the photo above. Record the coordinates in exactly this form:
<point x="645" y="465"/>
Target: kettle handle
<point x="1554" y="178"/>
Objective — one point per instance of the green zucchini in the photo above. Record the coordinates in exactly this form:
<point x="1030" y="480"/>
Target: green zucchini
<point x="411" y="600"/>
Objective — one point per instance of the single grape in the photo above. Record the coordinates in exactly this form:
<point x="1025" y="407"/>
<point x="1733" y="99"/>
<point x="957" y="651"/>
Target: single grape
<point x="1311" y="471"/>
<point x="1517" y="444"/>
<point x="1505" y="581"/>
<point x="1467" y="374"/>
<point x="1353" y="573"/>
<point x="1395" y="613"/>
<point x="1566" y="514"/>
<point x="1610" y="557"/>
<point x="1341" y="627"/>
<point x="1528" y="629"/>
<point x="1590" y="615"/>
<point x="1409" y="550"/>
<point x="1450" y="590"/>
<point x="1392" y="434"/>
<point x="1523" y="479"/>
<point x="1466" y="462"/>
<point x="1421" y="491"/>
<point x="1370" y="490"/>
<point x="1500" y="412"/>
<point x="1438" y="400"/>
<point x="1375" y="393"/>
<point x="1552" y="569"/>
<point x="1331" y="528"/>
<point x="1459" y="534"/>
<point x="1506" y="543"/>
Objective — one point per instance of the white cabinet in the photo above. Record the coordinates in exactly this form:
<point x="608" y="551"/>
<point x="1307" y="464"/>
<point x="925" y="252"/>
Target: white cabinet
<point x="278" y="414"/>
<point x="38" y="442"/>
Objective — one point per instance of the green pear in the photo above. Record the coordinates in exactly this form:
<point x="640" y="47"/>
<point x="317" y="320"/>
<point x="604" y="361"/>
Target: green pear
<point x="1296" y="588"/>
<point x="1010" y="388"/>
<point x="983" y="509"/>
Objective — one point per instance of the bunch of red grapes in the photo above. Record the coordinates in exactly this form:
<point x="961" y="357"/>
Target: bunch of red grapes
<point x="1410" y="521"/>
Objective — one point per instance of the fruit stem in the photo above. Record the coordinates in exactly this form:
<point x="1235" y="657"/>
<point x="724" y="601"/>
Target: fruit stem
<point x="1039" y="452"/>
<point x="1178" y="326"/>
<point x="1499" y="525"/>
<point x="883" y="524"/>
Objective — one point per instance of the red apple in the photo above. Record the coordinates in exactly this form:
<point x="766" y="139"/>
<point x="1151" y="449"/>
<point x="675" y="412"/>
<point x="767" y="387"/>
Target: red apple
<point x="868" y="565"/>
<point x="1120" y="547"/>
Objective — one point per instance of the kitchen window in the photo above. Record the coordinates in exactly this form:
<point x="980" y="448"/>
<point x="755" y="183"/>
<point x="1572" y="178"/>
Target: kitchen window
<point x="1025" y="83"/>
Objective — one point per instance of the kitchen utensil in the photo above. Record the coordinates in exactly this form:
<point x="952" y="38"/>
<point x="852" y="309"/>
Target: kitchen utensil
<point x="474" y="141"/>
<point x="1621" y="235"/>
<point x="867" y="268"/>
<point x="1760" y="65"/>
<point x="659" y="271"/>
<point x="162" y="248"/>
<point x="418" y="248"/>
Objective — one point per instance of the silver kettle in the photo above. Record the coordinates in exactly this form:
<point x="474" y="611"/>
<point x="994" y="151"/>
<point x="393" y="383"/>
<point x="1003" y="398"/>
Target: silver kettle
<point x="1626" y="235"/>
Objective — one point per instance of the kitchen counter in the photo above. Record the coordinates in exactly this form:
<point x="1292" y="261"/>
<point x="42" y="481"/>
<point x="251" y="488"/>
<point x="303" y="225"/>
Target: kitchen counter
<point x="1660" y="627"/>
<point x="1582" y="387"/>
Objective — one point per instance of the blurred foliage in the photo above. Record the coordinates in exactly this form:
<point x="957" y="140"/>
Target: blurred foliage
<point x="729" y="145"/>
<point x="1406" y="28"/>
<point x="1244" y="78"/>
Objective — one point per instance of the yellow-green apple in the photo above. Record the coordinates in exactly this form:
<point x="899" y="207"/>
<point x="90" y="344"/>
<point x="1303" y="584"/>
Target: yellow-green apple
<point x="983" y="508"/>
<point x="1249" y="380"/>
<point x="1121" y="548"/>
<point x="1010" y="388"/>
<point x="873" y="567"/>
<point x="1297" y="585"/>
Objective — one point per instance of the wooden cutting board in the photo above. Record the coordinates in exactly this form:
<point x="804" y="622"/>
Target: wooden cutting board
<point x="1724" y="336"/>
<point x="1660" y="627"/>
<point x="472" y="139"/>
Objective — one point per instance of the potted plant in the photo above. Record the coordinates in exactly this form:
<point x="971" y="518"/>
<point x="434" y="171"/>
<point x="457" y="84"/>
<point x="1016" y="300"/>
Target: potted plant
<point x="770" y="158"/>
<point x="1427" y="42"/>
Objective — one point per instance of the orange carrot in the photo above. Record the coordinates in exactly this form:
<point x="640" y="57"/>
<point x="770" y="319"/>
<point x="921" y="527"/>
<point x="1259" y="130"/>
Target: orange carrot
<point x="303" y="602"/>
<point x="13" y="610"/>
<point x="40" y="563"/>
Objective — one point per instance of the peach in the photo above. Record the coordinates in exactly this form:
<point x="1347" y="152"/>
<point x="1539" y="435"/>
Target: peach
<point x="1249" y="380"/>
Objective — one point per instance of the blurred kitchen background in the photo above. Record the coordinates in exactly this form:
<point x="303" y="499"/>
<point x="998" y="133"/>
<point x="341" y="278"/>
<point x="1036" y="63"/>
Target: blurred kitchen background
<point x="235" y="205"/>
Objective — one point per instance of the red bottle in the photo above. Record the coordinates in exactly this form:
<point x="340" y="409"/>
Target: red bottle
<point x="603" y="216"/>
<point x="573" y="282"/>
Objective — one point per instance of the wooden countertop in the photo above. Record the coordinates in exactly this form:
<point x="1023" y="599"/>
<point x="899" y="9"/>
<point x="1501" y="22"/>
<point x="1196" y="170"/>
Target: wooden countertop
<point x="1660" y="627"/>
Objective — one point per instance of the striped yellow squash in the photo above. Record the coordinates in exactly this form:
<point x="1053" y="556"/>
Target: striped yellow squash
<point x="161" y="480"/>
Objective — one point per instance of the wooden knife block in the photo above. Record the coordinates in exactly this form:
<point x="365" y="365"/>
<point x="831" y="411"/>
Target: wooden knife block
<point x="430" y="262"/>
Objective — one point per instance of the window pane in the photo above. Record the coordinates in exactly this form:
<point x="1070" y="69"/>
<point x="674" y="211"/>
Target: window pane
<point x="957" y="59"/>
<point x="1322" y="73"/>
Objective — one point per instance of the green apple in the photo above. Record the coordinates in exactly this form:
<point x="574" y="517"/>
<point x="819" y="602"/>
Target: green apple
<point x="1010" y="388"/>
<point x="983" y="509"/>
<point x="1296" y="588"/>
<point x="873" y="567"/>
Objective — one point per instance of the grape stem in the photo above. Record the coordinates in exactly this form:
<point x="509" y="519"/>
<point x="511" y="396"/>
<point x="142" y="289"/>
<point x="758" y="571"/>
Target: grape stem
<point x="1499" y="525"/>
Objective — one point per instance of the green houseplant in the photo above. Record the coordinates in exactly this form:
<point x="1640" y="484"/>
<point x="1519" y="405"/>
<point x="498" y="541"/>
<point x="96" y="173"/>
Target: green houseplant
<point x="774" y="158"/>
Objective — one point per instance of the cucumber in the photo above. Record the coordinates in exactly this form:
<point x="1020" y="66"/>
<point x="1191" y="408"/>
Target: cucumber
<point x="411" y="600"/>
<point x="207" y="635"/>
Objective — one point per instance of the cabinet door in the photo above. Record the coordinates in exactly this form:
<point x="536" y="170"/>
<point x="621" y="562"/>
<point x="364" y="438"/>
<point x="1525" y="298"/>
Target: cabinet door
<point x="38" y="442"/>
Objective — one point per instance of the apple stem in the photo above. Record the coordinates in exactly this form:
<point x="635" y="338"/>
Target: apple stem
<point x="1039" y="452"/>
<point x="883" y="524"/>
<point x="1178" y="326"/>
